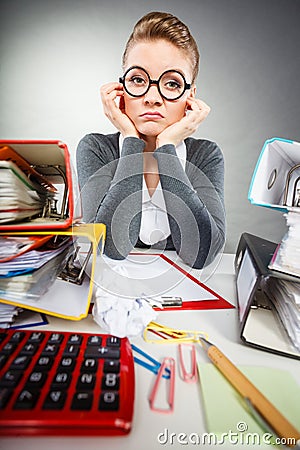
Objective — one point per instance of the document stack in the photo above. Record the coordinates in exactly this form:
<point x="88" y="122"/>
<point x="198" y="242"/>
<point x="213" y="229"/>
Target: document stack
<point x="286" y="294"/>
<point x="20" y="198"/>
<point x="276" y="184"/>
<point x="29" y="274"/>
<point x="286" y="259"/>
<point x="8" y="314"/>
<point x="40" y="233"/>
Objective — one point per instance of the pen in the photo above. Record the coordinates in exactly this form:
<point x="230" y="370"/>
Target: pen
<point x="276" y="421"/>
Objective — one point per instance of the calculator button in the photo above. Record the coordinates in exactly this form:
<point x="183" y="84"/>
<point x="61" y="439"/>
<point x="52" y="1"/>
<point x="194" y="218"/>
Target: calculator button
<point x="36" y="379"/>
<point x="75" y="339"/>
<point x="27" y="399"/>
<point x="111" y="365"/>
<point x="113" y="341"/>
<point x="94" y="340"/>
<point x="17" y="337"/>
<point x="86" y="381"/>
<point x="82" y="401"/>
<point x="29" y="349"/>
<point x="11" y="378"/>
<point x="50" y="349"/>
<point x="5" y="395"/>
<point x="109" y="401"/>
<point x="55" y="338"/>
<point x="8" y="348"/>
<point x="61" y="380"/>
<point x="67" y="363"/>
<point x="55" y="400"/>
<point x="102" y="352"/>
<point x="36" y="336"/>
<point x="89" y="365"/>
<point x="71" y="350"/>
<point x="20" y="362"/>
<point x="44" y="363"/>
<point x="110" y="381"/>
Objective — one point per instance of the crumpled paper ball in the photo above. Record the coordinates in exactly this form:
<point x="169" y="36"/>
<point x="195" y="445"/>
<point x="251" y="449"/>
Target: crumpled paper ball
<point x="120" y="316"/>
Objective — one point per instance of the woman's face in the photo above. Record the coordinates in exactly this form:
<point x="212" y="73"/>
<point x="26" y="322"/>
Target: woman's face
<point x="151" y="113"/>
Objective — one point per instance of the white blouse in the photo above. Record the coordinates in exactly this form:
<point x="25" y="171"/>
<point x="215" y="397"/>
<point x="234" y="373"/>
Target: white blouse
<point x="154" y="222"/>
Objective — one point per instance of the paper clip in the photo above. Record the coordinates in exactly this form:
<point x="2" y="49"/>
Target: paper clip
<point x="154" y="367"/>
<point x="192" y="376"/>
<point x="169" y="335"/>
<point x="167" y="363"/>
<point x="164" y="330"/>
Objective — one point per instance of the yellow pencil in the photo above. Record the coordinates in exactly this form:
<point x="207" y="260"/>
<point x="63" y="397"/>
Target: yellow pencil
<point x="273" y="418"/>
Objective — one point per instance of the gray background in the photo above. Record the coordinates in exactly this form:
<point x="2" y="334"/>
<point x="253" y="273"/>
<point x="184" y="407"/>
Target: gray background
<point x="56" y="54"/>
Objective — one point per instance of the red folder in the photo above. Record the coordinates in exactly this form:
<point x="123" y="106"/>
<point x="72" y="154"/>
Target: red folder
<point x="30" y="243"/>
<point x="48" y="162"/>
<point x="218" y="303"/>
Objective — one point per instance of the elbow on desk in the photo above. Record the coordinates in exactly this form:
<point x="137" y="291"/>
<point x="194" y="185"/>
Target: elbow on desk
<point x="207" y="252"/>
<point x="119" y="248"/>
<point x="112" y="252"/>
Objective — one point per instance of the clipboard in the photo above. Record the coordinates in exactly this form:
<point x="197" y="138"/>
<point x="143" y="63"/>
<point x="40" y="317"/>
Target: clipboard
<point x="49" y="162"/>
<point x="260" y="326"/>
<point x="154" y="275"/>
<point x="66" y="298"/>
<point x="217" y="303"/>
<point x="276" y="178"/>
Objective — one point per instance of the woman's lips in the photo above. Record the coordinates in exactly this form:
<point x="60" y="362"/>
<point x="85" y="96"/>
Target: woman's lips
<point x="152" y="115"/>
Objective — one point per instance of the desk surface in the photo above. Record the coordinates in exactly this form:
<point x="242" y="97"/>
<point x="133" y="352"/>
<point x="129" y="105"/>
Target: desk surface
<point x="188" y="417"/>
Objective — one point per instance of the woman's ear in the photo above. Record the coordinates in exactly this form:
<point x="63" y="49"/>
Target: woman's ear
<point x="193" y="91"/>
<point x="193" y="95"/>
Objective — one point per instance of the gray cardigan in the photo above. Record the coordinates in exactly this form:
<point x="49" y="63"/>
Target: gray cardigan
<point x="111" y="190"/>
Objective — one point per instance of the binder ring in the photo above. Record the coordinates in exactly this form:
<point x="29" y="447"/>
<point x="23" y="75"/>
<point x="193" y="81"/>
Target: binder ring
<point x="272" y="178"/>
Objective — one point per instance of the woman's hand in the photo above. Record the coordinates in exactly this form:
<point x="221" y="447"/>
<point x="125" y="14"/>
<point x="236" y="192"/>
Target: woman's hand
<point x="116" y="114"/>
<point x="177" y="132"/>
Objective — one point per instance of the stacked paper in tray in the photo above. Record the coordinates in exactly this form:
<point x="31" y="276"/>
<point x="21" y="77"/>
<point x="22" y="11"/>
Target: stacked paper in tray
<point x="30" y="274"/>
<point x="19" y="197"/>
<point x="285" y="296"/>
<point x="276" y="184"/>
<point x="40" y="189"/>
<point x="39" y="195"/>
<point x="8" y="314"/>
<point x="287" y="256"/>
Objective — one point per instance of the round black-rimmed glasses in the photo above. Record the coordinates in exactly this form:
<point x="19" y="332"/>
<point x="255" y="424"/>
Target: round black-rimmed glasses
<point x="171" y="84"/>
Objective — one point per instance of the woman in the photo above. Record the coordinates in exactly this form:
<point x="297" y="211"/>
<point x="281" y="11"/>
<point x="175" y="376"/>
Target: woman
<point x="150" y="183"/>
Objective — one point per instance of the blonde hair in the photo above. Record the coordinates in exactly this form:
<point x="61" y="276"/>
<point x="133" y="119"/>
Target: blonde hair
<point x="161" y="25"/>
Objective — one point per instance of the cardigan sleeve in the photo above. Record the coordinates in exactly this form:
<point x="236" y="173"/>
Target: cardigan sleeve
<point x="195" y="201"/>
<point x="111" y="190"/>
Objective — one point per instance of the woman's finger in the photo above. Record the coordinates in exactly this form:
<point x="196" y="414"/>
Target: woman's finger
<point x="199" y="110"/>
<point x="111" y="91"/>
<point x="195" y="103"/>
<point x="116" y="112"/>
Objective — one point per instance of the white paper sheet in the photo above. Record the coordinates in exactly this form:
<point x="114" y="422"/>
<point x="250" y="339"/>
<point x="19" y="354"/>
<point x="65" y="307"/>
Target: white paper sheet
<point x="149" y="275"/>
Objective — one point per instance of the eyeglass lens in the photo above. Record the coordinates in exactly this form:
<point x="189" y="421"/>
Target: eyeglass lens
<point x="171" y="84"/>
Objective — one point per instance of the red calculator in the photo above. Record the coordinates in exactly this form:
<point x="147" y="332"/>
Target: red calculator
<point x="62" y="383"/>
